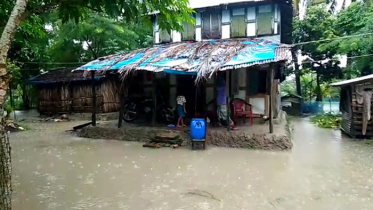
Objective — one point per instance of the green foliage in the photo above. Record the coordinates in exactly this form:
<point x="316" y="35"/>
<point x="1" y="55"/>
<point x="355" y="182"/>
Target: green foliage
<point x="170" y="13"/>
<point x="327" y="120"/>
<point x="287" y="87"/>
<point x="96" y="36"/>
<point x="81" y="30"/>
<point x="309" y="87"/>
<point x="8" y="110"/>
<point x="318" y="24"/>
<point x="355" y="20"/>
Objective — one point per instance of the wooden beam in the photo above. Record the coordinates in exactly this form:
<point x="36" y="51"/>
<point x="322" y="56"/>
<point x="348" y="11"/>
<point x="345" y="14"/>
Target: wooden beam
<point x="228" y="104"/>
<point x="122" y="89"/>
<point x="154" y="114"/>
<point x="94" y="105"/>
<point x="270" y="100"/>
<point x="121" y="107"/>
<point x="204" y="92"/>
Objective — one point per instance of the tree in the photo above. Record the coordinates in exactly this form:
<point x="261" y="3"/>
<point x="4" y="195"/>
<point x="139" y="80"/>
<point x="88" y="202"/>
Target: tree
<point x="318" y="24"/>
<point x="5" y="41"/>
<point x="95" y="37"/>
<point x="295" y="49"/>
<point x="171" y="14"/>
<point x="294" y="52"/>
<point x="350" y="25"/>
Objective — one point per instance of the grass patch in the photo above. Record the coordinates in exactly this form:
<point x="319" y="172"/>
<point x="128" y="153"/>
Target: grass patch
<point x="327" y="120"/>
<point x="25" y="127"/>
<point x="368" y="142"/>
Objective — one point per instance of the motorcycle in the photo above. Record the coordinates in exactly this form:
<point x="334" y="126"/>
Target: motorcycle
<point x="133" y="108"/>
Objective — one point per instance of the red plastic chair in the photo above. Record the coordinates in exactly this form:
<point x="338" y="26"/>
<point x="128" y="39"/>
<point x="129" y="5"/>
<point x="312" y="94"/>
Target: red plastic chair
<point x="238" y="110"/>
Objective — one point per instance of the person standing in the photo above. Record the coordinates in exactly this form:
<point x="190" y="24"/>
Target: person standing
<point x="221" y="102"/>
<point x="181" y="111"/>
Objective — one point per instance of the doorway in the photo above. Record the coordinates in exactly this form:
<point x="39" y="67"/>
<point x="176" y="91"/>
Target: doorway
<point x="193" y="94"/>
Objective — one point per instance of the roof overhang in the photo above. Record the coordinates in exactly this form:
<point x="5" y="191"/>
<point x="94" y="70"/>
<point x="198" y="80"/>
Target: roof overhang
<point x="364" y="79"/>
<point x="201" y="58"/>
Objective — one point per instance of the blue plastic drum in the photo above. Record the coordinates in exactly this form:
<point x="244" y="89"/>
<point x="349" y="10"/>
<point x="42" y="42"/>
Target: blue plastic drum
<point x="197" y="128"/>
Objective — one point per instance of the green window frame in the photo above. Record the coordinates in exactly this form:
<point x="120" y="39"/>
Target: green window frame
<point x="264" y="18"/>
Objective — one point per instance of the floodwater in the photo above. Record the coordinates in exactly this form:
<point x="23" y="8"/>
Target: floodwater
<point x="52" y="169"/>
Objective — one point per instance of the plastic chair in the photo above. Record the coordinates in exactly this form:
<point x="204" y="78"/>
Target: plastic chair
<point x="239" y="111"/>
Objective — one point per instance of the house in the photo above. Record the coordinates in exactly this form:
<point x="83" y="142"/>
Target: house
<point x="291" y="104"/>
<point x="248" y="39"/>
<point x="63" y="91"/>
<point x="232" y="20"/>
<point x="355" y="105"/>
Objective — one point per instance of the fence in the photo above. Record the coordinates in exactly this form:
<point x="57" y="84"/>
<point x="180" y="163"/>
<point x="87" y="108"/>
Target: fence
<point x="315" y="107"/>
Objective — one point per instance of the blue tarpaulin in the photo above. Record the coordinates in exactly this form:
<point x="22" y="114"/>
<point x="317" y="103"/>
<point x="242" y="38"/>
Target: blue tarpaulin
<point x="201" y="58"/>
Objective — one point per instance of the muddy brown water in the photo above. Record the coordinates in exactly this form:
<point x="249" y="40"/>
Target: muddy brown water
<point x="53" y="169"/>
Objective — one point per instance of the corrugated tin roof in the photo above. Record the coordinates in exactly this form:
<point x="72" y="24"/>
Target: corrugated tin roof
<point x="353" y="81"/>
<point x="202" y="58"/>
<point x="63" y="75"/>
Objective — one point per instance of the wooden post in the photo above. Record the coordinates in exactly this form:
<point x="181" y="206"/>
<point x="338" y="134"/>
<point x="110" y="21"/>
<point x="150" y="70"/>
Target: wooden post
<point x="94" y="106"/>
<point x="154" y="114"/>
<point x="122" y="89"/>
<point x="204" y="86"/>
<point x="228" y="105"/>
<point x="270" y="100"/>
<point x="121" y="106"/>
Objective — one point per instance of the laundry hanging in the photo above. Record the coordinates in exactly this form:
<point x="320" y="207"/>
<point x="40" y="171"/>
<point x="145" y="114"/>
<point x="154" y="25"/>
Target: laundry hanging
<point x="364" y="97"/>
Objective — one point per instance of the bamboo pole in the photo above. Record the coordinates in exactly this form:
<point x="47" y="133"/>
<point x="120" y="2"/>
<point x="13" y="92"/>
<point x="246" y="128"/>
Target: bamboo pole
<point x="121" y="106"/>
<point x="94" y="107"/>
<point x="204" y="86"/>
<point x="122" y="89"/>
<point x="270" y="100"/>
<point x="154" y="99"/>
<point x="228" y="105"/>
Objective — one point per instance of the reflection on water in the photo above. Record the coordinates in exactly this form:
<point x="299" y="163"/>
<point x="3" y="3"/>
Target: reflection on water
<point x="54" y="170"/>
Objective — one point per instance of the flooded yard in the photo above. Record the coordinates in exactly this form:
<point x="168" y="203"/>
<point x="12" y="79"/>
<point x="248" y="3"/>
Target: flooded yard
<point x="53" y="169"/>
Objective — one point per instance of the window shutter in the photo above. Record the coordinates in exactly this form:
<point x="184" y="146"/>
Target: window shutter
<point x="215" y="25"/>
<point x="264" y="20"/>
<point x="205" y="25"/>
<point x="164" y="36"/>
<point x="211" y="24"/>
<point x="188" y="32"/>
<point x="238" y="26"/>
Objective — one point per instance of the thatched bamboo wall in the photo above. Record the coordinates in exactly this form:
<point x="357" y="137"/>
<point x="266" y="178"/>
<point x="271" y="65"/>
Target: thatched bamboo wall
<point x="77" y="97"/>
<point x="111" y="95"/>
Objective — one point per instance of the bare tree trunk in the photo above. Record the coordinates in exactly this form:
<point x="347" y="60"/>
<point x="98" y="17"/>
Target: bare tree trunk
<point x="296" y="72"/>
<point x="5" y="159"/>
<point x="318" y="87"/>
<point x="25" y="97"/>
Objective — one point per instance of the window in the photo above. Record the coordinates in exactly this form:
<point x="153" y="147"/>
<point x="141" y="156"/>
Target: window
<point x="264" y="20"/>
<point x="238" y="24"/>
<point x="164" y="36"/>
<point x="188" y="33"/>
<point x="211" y="24"/>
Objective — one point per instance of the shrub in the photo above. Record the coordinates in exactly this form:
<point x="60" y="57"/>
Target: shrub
<point x="327" y="120"/>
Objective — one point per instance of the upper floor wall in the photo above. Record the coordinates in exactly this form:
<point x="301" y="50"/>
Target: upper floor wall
<point x="256" y="19"/>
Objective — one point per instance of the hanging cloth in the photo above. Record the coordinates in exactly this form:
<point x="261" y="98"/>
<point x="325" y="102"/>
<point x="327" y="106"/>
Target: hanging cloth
<point x="364" y="97"/>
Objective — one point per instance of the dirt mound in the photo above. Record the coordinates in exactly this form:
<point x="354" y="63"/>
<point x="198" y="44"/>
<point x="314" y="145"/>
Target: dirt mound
<point x="12" y="126"/>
